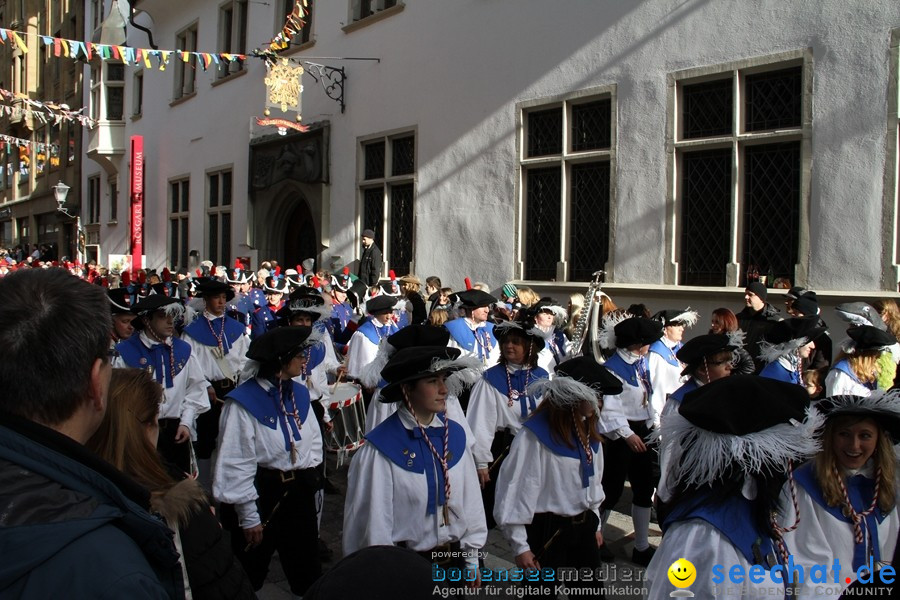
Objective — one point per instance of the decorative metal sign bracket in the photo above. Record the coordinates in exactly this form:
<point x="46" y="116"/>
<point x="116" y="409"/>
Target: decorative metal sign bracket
<point x="332" y="80"/>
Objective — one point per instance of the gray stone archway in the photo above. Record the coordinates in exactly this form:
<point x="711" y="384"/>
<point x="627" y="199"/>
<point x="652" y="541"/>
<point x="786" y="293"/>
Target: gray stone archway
<point x="289" y="197"/>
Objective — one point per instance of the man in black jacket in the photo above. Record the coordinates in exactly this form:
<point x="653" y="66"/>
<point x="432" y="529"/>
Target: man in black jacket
<point x="756" y="319"/>
<point x="63" y="510"/>
<point x="370" y="261"/>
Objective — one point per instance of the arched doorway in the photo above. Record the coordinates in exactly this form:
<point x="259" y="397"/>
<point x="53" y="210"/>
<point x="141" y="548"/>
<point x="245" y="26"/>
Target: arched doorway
<point x="299" y="236"/>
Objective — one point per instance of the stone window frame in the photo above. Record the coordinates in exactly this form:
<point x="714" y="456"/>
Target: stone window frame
<point x="386" y="182"/>
<point x="566" y="160"/>
<point x="737" y="139"/>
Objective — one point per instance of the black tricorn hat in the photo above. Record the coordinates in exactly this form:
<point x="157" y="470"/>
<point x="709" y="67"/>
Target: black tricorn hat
<point x="279" y="344"/>
<point x="882" y="407"/>
<point x="795" y="328"/>
<point x="695" y="350"/>
<point x="584" y="369"/>
<point x="147" y="305"/>
<point x="119" y="301"/>
<point x="743" y="404"/>
<point x="637" y="330"/>
<point x="475" y="298"/>
<point x="866" y="337"/>
<point x="213" y="287"/>
<point x="411" y="364"/>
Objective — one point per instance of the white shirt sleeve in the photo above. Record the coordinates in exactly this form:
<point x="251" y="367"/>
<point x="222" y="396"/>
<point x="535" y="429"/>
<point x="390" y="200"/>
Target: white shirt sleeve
<point x="196" y="398"/>
<point x="235" y="467"/>
<point x="368" y="507"/>
<point x="482" y="418"/>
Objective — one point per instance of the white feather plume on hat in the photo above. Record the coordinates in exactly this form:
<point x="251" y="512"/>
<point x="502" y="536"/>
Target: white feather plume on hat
<point x="563" y="392"/>
<point x="501" y="329"/>
<point x="770" y="352"/>
<point x="705" y="456"/>
<point x="370" y="375"/>
<point x="560" y="316"/>
<point x="608" y="328"/>
<point x="689" y="317"/>
<point x="466" y="371"/>
<point x="736" y="338"/>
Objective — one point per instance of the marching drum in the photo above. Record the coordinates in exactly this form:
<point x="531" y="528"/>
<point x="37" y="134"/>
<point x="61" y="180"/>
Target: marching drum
<point x="348" y="415"/>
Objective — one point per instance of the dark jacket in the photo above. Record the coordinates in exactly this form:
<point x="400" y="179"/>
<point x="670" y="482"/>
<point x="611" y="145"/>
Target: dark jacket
<point x="72" y="526"/>
<point x="212" y="569"/>
<point x="370" y="265"/>
<point x="755" y="324"/>
<point x="419" y="312"/>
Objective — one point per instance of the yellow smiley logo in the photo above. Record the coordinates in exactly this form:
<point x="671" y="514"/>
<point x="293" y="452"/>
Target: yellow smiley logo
<point x="682" y="573"/>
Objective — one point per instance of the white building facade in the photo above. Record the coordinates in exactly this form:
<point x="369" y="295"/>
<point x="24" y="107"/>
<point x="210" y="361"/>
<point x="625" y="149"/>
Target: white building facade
<point x="675" y="145"/>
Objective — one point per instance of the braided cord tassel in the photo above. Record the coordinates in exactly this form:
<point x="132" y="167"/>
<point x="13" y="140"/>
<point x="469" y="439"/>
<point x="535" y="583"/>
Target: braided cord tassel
<point x="778" y="529"/>
<point x="848" y="507"/>
<point x="441" y="458"/>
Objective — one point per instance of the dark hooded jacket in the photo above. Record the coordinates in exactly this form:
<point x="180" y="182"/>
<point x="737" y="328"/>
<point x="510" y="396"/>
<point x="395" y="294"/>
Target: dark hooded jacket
<point x="72" y="526"/>
<point x="756" y="324"/>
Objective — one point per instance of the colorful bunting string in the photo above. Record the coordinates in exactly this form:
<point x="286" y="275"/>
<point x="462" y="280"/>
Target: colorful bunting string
<point x="45" y="112"/>
<point x="39" y="146"/>
<point x="130" y="56"/>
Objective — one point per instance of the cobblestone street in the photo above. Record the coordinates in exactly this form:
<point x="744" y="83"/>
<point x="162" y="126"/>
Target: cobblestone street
<point x="624" y="579"/>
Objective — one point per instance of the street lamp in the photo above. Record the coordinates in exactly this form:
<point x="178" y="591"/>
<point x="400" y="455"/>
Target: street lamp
<point x="60" y="192"/>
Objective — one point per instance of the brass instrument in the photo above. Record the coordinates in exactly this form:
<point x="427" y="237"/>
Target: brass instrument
<point x="590" y="315"/>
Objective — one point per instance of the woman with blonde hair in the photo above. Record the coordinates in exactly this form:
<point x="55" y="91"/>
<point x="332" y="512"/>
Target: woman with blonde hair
<point x="409" y="288"/>
<point x="843" y="505"/>
<point x="527" y="296"/>
<point x="576" y="305"/>
<point x="890" y="314"/>
<point x="127" y="439"/>
<point x="857" y="367"/>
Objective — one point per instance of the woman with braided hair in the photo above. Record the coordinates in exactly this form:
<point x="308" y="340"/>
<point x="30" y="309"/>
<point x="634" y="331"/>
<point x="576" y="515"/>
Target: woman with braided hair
<point x="413" y="484"/>
<point x="846" y="497"/>
<point x="550" y="488"/>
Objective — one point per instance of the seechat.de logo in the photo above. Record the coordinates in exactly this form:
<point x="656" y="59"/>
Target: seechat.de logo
<point x="682" y="574"/>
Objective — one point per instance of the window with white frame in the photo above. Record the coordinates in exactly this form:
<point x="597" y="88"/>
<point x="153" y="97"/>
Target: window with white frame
<point x="738" y="159"/>
<point x="232" y="35"/>
<point x="566" y="151"/>
<point x="218" y="214"/>
<point x="115" y="91"/>
<point x="185" y="72"/>
<point x="93" y="204"/>
<point x="137" y="94"/>
<point x="96" y="87"/>
<point x="360" y="9"/>
<point x="179" y="209"/>
<point x="387" y="193"/>
<point x="286" y="8"/>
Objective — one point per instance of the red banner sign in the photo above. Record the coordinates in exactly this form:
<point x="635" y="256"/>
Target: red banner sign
<point x="281" y="124"/>
<point x="137" y="202"/>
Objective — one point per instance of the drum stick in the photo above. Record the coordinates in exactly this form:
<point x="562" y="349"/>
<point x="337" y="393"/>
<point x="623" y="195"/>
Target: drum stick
<point x="337" y="382"/>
